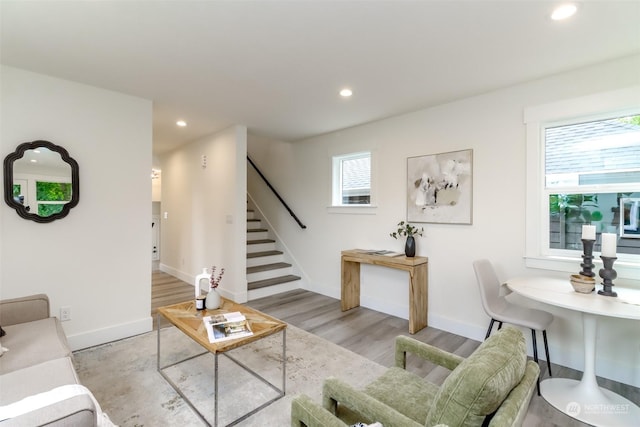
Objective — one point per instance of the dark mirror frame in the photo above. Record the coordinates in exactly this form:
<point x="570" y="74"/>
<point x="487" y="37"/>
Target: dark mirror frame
<point x="8" y="181"/>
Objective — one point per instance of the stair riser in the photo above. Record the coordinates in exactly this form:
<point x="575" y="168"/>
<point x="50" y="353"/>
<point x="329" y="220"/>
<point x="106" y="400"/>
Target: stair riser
<point x="261" y="247"/>
<point x="252" y="225"/>
<point x="253" y="262"/>
<point x="257" y="235"/>
<point x="270" y="274"/>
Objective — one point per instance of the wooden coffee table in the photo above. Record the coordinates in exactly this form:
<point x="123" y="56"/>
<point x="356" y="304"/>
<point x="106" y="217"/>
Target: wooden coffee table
<point x="187" y="319"/>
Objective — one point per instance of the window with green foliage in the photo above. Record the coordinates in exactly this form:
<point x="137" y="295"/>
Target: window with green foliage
<point x="49" y="196"/>
<point x="16" y="190"/>
<point x="589" y="167"/>
<point x="583" y="168"/>
<point x="569" y="212"/>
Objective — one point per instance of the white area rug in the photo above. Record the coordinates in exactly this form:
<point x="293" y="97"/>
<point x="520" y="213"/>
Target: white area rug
<point x="123" y="377"/>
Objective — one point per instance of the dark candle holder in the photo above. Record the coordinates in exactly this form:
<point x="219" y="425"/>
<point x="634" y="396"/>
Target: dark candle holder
<point x="587" y="258"/>
<point x="608" y="274"/>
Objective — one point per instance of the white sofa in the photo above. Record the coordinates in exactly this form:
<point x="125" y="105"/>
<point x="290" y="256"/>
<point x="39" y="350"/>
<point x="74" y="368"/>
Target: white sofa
<point x="37" y="365"/>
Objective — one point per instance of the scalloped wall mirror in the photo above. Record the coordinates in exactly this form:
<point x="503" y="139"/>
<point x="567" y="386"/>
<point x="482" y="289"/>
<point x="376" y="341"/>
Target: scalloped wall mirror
<point x="41" y="181"/>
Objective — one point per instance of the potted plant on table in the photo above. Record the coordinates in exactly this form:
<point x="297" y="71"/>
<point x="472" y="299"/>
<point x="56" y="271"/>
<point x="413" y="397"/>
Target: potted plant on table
<point x="407" y="230"/>
<point x="213" y="301"/>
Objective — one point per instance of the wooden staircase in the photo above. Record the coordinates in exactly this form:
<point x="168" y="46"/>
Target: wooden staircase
<point x="268" y="273"/>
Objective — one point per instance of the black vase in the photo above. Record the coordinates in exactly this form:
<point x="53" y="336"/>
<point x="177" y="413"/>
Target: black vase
<point x="410" y="247"/>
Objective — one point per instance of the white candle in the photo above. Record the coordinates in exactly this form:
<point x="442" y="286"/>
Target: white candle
<point x="589" y="232"/>
<point x="609" y="245"/>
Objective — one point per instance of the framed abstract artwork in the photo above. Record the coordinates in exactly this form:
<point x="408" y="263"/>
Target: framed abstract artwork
<point x="440" y="188"/>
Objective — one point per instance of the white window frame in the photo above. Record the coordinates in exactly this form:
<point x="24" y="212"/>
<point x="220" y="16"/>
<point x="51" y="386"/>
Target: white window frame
<point x="336" y="184"/>
<point x="593" y="107"/>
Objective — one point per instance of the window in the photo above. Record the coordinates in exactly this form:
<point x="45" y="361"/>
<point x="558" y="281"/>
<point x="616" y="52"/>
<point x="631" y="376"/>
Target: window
<point x="352" y="179"/>
<point x="600" y="154"/>
<point x="52" y="196"/>
<point x="583" y="164"/>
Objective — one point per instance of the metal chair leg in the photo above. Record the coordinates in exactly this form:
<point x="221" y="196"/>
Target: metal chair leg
<point x="546" y="350"/>
<point x="489" y="330"/>
<point x="535" y="357"/>
<point x="499" y="325"/>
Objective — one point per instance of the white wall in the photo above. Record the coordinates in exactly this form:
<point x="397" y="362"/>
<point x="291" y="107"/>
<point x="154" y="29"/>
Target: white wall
<point x="491" y="125"/>
<point x="206" y="210"/>
<point x="96" y="260"/>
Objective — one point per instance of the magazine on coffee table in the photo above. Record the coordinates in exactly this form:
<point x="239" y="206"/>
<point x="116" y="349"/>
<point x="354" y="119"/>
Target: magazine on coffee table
<point x="227" y="326"/>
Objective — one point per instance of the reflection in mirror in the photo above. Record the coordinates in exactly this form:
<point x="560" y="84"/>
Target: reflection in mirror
<point x="630" y="217"/>
<point x="41" y="181"/>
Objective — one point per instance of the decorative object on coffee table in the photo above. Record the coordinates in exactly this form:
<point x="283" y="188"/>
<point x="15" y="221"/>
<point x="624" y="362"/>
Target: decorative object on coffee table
<point x="202" y="276"/>
<point x="213" y="297"/>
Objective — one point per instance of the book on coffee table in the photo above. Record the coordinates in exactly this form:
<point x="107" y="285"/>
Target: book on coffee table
<point x="227" y="326"/>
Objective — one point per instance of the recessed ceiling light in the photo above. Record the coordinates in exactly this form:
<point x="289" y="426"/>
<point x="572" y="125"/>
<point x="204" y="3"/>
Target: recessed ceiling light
<point x="345" y="93"/>
<point x="181" y="123"/>
<point x="34" y="161"/>
<point x="563" y="12"/>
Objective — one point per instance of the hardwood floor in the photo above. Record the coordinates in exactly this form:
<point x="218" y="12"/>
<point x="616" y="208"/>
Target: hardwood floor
<point x="167" y="290"/>
<point x="371" y="334"/>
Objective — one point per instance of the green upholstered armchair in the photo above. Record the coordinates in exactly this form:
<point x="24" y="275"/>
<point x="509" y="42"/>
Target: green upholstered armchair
<point x="493" y="386"/>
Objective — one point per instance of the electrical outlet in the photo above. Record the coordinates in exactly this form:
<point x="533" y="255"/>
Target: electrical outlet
<point x="65" y="314"/>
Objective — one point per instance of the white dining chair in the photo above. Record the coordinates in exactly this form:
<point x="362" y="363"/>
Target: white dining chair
<point x="499" y="309"/>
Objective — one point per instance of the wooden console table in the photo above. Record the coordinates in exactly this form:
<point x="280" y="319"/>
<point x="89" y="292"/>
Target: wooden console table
<point x="415" y="266"/>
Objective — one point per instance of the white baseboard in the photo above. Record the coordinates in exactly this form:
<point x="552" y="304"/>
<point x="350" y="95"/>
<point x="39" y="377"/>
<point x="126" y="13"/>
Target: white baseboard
<point x="177" y="273"/>
<point x="397" y="310"/>
<point x="238" y="297"/>
<point x="112" y="333"/>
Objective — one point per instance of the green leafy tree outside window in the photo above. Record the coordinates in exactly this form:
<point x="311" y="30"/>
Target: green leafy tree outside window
<point x="53" y="191"/>
<point x="575" y="207"/>
<point x="49" y="209"/>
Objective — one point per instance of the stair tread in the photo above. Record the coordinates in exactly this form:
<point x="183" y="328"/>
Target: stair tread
<point x="271" y="282"/>
<point x="256" y="230"/>
<point x="253" y="220"/>
<point x="267" y="267"/>
<point x="263" y="253"/>
<point x="257" y="242"/>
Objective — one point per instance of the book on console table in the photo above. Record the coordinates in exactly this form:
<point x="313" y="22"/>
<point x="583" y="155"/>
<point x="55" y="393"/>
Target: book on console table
<point x="226" y="326"/>
<point x="383" y="252"/>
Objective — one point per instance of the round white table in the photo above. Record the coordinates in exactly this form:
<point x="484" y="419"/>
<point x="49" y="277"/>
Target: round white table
<point x="584" y="400"/>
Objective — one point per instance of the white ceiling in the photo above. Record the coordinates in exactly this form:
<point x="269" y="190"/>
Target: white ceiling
<point x="277" y="66"/>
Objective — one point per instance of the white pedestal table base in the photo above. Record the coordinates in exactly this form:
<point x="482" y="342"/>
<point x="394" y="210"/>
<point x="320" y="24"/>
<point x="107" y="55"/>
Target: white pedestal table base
<point x="584" y="400"/>
<point x="602" y="408"/>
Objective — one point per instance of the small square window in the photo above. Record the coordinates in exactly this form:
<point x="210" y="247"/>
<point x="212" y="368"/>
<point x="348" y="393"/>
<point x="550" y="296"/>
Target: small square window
<point x="352" y="179"/>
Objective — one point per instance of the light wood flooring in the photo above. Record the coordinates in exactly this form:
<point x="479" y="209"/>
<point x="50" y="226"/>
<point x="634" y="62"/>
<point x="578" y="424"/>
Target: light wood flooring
<point x="167" y="290"/>
<point x="371" y="334"/>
